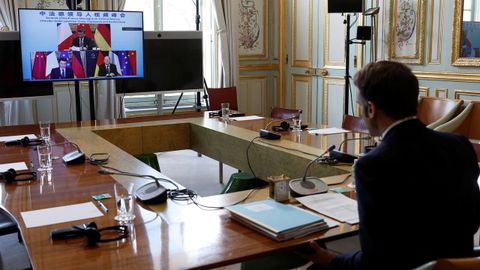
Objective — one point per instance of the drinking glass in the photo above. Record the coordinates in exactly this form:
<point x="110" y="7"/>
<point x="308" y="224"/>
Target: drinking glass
<point x="297" y="124"/>
<point x="45" y="130"/>
<point x="44" y="152"/>
<point x="225" y="110"/>
<point x="124" y="202"/>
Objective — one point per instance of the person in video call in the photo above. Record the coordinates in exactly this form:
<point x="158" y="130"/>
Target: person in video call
<point x="62" y="71"/>
<point x="83" y="42"/>
<point x="417" y="192"/>
<point x="107" y="68"/>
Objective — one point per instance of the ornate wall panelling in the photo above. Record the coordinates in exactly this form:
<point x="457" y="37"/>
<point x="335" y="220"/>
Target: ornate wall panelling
<point x="302" y="96"/>
<point x="435" y="32"/>
<point x="252" y="97"/>
<point x="441" y="92"/>
<point x="302" y="33"/>
<point x="334" y="40"/>
<point x="423" y="91"/>
<point x="333" y="92"/>
<point x="466" y="94"/>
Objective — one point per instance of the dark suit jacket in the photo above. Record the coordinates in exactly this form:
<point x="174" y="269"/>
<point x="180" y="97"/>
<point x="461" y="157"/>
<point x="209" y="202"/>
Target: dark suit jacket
<point x="87" y="43"/>
<point x="102" y="70"/>
<point x="55" y="73"/>
<point x="418" y="199"/>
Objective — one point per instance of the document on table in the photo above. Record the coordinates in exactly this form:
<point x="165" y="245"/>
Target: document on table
<point x="54" y="215"/>
<point x="334" y="205"/>
<point x="17" y="166"/>
<point x="327" y="131"/>
<point x="246" y="118"/>
<point x="17" y="137"/>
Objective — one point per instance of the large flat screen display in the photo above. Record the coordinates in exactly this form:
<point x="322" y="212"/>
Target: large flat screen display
<point x="12" y="85"/>
<point x="60" y="45"/>
<point x="174" y="62"/>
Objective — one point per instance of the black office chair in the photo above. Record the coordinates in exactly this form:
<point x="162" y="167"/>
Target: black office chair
<point x="8" y="225"/>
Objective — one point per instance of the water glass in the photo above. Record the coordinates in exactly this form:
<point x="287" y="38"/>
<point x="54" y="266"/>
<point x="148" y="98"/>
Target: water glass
<point x="297" y="124"/>
<point x="225" y="110"/>
<point x="45" y="130"/>
<point x="124" y="202"/>
<point x="44" y="152"/>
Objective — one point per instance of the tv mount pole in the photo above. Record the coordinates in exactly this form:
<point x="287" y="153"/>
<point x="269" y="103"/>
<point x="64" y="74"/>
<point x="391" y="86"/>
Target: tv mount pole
<point x="198" y="104"/>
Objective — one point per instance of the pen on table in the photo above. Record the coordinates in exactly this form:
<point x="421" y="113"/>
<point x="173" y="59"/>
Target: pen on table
<point x="104" y="208"/>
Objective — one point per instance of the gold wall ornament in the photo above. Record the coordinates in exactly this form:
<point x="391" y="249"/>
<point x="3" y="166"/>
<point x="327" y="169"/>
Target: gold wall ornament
<point x="463" y="54"/>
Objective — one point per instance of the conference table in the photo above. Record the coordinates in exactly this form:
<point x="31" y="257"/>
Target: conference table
<point x="170" y="235"/>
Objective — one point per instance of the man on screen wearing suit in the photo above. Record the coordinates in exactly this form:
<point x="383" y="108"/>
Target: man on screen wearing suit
<point x="107" y="68"/>
<point x="83" y="42"/>
<point x="61" y="72"/>
<point x="417" y="192"/>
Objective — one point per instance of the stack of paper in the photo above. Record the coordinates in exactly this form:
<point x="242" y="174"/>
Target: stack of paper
<point x="277" y="220"/>
<point x="334" y="205"/>
<point x="327" y="131"/>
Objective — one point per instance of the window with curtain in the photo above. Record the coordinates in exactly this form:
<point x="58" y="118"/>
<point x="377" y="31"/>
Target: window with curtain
<point x="173" y="15"/>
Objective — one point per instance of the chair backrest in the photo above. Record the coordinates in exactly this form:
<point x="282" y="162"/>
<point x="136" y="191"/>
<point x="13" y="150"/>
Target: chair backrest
<point x="434" y="111"/>
<point x="217" y="96"/>
<point x="354" y="124"/>
<point x="452" y="264"/>
<point x="470" y="127"/>
<point x="284" y="113"/>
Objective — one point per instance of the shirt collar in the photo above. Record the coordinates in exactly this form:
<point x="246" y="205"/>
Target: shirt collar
<point x="395" y="124"/>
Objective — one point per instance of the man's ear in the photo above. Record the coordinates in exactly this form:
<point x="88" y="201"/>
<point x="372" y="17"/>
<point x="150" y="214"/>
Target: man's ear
<point x="370" y="110"/>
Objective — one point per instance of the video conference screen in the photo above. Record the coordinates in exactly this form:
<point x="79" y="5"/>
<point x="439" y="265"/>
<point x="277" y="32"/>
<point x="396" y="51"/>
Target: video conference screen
<point x="59" y="45"/>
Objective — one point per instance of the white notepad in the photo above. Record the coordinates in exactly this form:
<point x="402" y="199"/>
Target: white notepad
<point x="17" y="166"/>
<point x="54" y="215"/>
<point x="17" y="137"/>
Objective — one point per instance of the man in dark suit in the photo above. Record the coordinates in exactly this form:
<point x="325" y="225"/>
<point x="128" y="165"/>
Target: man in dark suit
<point x="107" y="68"/>
<point x="62" y="71"/>
<point x="83" y="42"/>
<point x="417" y="192"/>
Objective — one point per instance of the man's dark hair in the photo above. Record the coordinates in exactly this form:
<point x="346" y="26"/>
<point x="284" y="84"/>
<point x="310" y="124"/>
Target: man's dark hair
<point x="391" y="86"/>
<point x="62" y="59"/>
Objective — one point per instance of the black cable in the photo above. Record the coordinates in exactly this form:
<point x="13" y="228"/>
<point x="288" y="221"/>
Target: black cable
<point x="248" y="157"/>
<point x="351" y="97"/>
<point x="120" y="172"/>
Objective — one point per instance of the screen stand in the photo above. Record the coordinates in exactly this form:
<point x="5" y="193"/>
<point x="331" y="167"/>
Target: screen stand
<point x="78" y="104"/>
<point x="92" y="99"/>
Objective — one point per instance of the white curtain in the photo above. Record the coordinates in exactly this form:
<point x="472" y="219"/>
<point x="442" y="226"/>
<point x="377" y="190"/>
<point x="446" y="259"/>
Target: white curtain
<point x="108" y="106"/>
<point x="18" y="111"/>
<point x="226" y="24"/>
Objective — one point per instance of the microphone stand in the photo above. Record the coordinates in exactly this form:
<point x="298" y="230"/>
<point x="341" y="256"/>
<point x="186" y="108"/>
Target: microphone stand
<point x="309" y="185"/>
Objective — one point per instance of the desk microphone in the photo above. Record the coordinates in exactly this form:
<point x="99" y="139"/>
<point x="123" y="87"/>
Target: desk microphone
<point x="74" y="157"/>
<point x="149" y="193"/>
<point x="341" y="156"/>
<point x="309" y="185"/>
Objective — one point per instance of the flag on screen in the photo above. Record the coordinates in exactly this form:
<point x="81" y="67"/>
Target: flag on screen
<point x="52" y="62"/>
<point x="91" y="62"/>
<point x="77" y="65"/>
<point x="103" y="37"/>
<point x="116" y="62"/>
<point x="39" y="65"/>
<point x="100" y="57"/>
<point x="128" y="62"/>
<point x="64" y="36"/>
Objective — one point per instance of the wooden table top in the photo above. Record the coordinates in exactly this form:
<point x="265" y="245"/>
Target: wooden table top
<point x="173" y="235"/>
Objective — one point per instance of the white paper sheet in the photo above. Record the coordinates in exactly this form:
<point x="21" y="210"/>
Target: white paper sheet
<point x="48" y="216"/>
<point x="327" y="131"/>
<point x="246" y="118"/>
<point x="17" y="166"/>
<point x="17" y="137"/>
<point x="334" y="205"/>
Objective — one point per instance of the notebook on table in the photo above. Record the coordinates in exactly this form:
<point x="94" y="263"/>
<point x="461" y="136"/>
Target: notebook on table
<point x="277" y="220"/>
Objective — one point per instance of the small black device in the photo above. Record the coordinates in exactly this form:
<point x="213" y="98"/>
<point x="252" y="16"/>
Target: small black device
<point x="364" y="33"/>
<point x="25" y="141"/>
<point x="11" y="176"/>
<point x="342" y="157"/>
<point x="269" y="135"/>
<point x="345" y="6"/>
<point x="284" y="126"/>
